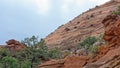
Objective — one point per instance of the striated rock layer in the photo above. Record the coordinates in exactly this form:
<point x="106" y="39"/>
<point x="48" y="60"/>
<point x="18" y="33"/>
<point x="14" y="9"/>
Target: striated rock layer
<point x="107" y="57"/>
<point x="91" y="23"/>
<point x="86" y="24"/>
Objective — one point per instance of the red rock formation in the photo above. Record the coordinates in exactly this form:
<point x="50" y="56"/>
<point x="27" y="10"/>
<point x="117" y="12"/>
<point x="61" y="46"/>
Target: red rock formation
<point x="75" y="62"/>
<point x="53" y="64"/>
<point x="92" y="22"/>
<point x="86" y="24"/>
<point x="68" y="62"/>
<point x="14" y="45"/>
<point x="108" y="56"/>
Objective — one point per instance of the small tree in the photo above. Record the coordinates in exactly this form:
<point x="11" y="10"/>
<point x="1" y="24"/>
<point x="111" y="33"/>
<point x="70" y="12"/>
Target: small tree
<point x="35" y="53"/>
<point x="30" y="41"/>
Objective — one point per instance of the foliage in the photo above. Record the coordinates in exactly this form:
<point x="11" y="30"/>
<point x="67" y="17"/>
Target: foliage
<point x="55" y="53"/>
<point x="34" y="53"/>
<point x="87" y="44"/>
<point x="29" y="57"/>
<point x="30" y="41"/>
<point x="26" y="64"/>
<point x="4" y="52"/>
<point x="10" y="62"/>
<point x="94" y="49"/>
<point x="117" y="12"/>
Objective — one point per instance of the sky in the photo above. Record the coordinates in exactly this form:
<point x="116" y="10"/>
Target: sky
<point x="24" y="18"/>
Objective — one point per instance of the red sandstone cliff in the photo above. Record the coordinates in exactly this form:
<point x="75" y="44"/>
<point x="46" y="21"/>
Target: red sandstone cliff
<point x="107" y="57"/>
<point x="86" y="24"/>
<point x="68" y="35"/>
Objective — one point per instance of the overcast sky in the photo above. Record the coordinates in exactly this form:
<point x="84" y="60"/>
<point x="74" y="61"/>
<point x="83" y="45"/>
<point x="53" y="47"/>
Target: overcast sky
<point x="24" y="18"/>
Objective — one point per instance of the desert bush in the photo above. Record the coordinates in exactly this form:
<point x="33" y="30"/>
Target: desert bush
<point x="55" y="53"/>
<point x="117" y="12"/>
<point x="29" y="57"/>
<point x="9" y="62"/>
<point x="26" y="64"/>
<point x="66" y="53"/>
<point x="87" y="43"/>
<point x="94" y="49"/>
<point x="4" y="52"/>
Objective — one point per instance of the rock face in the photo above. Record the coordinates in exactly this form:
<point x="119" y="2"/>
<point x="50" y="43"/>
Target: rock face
<point x="86" y="24"/>
<point x="69" y="62"/>
<point x="108" y="56"/>
<point x="14" y="45"/>
<point x="116" y="0"/>
<point x="91" y="23"/>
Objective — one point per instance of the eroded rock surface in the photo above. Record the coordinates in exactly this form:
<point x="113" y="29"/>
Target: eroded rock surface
<point x="14" y="45"/>
<point x="86" y="24"/>
<point x="99" y="21"/>
<point x="108" y="56"/>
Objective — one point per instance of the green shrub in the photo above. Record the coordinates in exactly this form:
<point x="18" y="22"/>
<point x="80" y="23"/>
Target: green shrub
<point x="34" y="53"/>
<point x="4" y="52"/>
<point x="26" y="64"/>
<point x="117" y="12"/>
<point x="10" y="62"/>
<point x="29" y="57"/>
<point x="55" y="53"/>
<point x="94" y="49"/>
<point x="87" y="44"/>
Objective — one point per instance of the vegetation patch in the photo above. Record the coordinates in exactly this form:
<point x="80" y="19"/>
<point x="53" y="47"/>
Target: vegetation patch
<point x="29" y="57"/>
<point x="116" y="12"/>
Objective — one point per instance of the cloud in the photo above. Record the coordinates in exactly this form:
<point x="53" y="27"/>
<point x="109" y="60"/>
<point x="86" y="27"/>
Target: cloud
<point x="43" y="6"/>
<point x="99" y="1"/>
<point x="71" y="8"/>
<point x="68" y="3"/>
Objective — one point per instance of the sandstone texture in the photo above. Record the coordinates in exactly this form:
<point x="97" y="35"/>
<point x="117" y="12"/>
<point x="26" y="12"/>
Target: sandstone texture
<point x="107" y="57"/>
<point x="84" y="25"/>
<point x="13" y="45"/>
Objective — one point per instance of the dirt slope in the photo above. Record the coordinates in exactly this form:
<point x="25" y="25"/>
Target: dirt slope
<point x="86" y="24"/>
